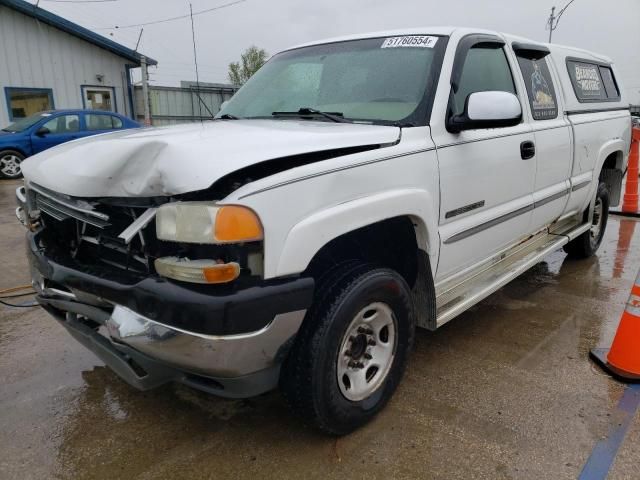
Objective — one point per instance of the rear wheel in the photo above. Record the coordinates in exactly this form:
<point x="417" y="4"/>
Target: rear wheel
<point x="586" y="244"/>
<point x="10" y="161"/>
<point x="351" y="351"/>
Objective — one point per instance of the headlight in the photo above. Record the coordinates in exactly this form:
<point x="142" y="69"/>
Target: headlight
<point x="197" y="222"/>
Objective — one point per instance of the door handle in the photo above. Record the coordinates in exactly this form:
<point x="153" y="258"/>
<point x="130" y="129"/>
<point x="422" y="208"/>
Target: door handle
<point x="527" y="150"/>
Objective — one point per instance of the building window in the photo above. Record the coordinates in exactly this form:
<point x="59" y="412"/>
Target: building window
<point x="98" y="98"/>
<point x="24" y="102"/>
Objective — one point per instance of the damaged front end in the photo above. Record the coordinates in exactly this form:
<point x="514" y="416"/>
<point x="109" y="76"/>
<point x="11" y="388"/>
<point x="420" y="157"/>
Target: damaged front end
<point x="139" y="286"/>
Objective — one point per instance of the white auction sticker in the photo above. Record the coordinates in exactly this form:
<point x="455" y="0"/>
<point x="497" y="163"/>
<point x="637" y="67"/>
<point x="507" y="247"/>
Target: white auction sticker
<point x="420" y="41"/>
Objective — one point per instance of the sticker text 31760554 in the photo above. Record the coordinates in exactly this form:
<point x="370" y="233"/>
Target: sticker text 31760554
<point x="419" y="41"/>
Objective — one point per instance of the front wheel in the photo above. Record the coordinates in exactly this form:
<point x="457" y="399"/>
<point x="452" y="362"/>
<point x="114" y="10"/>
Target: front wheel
<point x="586" y="244"/>
<point x="10" y="161"/>
<point x="351" y="351"/>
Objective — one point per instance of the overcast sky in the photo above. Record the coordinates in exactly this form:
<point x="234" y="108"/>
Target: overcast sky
<point x="608" y="27"/>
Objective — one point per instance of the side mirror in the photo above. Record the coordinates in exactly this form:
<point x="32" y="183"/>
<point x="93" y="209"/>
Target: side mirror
<point x="42" y="131"/>
<point x="491" y="109"/>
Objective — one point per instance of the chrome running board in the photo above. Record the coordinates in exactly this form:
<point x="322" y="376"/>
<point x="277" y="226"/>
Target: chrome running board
<point x="454" y="297"/>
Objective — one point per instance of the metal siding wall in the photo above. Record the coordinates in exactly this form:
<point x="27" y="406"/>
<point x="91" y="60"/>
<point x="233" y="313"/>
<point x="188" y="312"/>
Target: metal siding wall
<point x="174" y="105"/>
<point x="36" y="55"/>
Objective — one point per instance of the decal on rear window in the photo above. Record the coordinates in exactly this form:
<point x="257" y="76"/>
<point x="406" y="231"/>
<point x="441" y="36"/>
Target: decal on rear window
<point x="588" y="79"/>
<point x="542" y="95"/>
<point x="419" y="41"/>
<point x="588" y="83"/>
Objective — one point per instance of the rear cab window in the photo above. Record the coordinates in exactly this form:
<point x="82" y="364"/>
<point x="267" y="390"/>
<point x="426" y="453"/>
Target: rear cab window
<point x="540" y="89"/>
<point x="592" y="81"/>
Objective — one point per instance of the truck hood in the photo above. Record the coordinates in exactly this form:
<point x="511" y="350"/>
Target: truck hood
<point x="186" y="158"/>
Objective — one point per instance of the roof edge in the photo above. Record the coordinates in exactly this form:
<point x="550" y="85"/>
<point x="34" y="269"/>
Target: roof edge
<point x="76" y="30"/>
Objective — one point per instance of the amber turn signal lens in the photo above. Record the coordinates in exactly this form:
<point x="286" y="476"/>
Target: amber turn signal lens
<point x="222" y="273"/>
<point x="237" y="224"/>
<point x="197" y="271"/>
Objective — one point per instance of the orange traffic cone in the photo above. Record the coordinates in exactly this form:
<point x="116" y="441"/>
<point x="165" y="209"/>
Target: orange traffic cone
<point x="622" y="360"/>
<point x="630" y="198"/>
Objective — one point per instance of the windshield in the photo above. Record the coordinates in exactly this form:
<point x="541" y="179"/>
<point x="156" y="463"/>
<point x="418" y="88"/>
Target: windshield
<point x="25" y="123"/>
<point x="378" y="80"/>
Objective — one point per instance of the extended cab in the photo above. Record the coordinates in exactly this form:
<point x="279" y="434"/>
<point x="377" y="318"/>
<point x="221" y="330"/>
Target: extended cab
<point x="352" y="190"/>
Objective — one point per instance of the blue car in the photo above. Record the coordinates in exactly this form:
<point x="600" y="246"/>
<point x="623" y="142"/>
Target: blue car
<point x="43" y="130"/>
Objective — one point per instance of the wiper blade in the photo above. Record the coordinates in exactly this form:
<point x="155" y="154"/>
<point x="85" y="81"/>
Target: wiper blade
<point x="403" y="124"/>
<point x="5" y="130"/>
<point x="228" y="116"/>
<point x="306" y="111"/>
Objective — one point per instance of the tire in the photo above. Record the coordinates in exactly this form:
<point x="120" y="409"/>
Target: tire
<point x="587" y="244"/>
<point x="360" y="327"/>
<point x="10" y="164"/>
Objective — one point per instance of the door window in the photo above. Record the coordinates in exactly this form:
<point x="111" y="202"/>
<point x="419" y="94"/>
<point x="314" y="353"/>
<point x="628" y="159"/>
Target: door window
<point x="24" y="102"/>
<point x="484" y="69"/>
<point x="63" y="124"/>
<point x="540" y="90"/>
<point x="99" y="122"/>
<point x="116" y="122"/>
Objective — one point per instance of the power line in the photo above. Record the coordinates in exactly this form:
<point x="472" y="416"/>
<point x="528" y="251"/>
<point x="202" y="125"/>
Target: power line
<point x="170" y="19"/>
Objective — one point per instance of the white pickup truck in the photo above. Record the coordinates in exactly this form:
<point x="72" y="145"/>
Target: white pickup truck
<point x="353" y="190"/>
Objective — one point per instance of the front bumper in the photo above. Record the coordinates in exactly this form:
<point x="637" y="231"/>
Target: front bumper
<point x="147" y="354"/>
<point x="106" y="314"/>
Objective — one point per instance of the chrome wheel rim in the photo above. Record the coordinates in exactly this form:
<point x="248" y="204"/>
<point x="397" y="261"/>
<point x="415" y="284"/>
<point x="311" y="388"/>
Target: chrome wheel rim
<point x="596" y="222"/>
<point x="10" y="165"/>
<point x="367" y="351"/>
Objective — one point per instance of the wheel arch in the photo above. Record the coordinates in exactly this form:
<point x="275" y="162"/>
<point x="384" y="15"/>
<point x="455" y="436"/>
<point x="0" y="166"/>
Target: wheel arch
<point x="14" y="149"/>
<point x="612" y="163"/>
<point x="349" y="220"/>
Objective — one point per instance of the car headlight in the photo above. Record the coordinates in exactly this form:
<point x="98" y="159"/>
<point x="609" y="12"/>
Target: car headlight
<point x="199" y="222"/>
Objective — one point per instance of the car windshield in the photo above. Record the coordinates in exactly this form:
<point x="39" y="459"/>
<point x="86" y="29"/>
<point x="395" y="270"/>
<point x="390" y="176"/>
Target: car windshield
<point x="378" y="80"/>
<point x="25" y="123"/>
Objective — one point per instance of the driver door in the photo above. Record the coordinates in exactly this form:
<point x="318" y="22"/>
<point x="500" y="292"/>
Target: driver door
<point x="486" y="181"/>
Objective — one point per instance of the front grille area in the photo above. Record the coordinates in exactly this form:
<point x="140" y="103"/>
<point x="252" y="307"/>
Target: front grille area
<point x="61" y="207"/>
<point x="97" y="233"/>
<point x="88" y="230"/>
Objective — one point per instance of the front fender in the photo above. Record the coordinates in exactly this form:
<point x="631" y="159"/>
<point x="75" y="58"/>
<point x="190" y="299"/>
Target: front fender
<point x="308" y="236"/>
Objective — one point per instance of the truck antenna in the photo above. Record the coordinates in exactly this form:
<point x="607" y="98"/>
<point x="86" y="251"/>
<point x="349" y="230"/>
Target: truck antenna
<point x="195" y="61"/>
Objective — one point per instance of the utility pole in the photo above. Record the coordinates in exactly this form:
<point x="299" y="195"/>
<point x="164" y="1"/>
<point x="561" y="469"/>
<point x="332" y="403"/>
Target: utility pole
<point x="552" y="21"/>
<point x="145" y="90"/>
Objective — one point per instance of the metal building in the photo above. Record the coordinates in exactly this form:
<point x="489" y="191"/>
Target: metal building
<point x="48" y="62"/>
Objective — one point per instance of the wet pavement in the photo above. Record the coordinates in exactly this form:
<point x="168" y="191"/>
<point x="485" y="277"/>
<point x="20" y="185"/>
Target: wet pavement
<point x="504" y="391"/>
